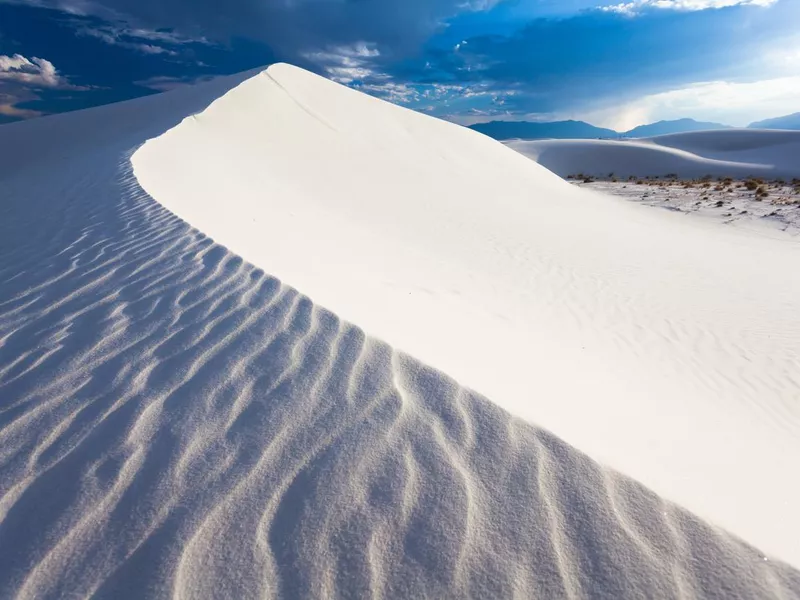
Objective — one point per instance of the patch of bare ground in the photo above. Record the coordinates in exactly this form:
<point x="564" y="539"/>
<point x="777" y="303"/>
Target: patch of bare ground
<point x="754" y="199"/>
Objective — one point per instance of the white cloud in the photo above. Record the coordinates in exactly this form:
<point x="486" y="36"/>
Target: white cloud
<point x="346" y="64"/>
<point x="117" y="29"/>
<point x="20" y="77"/>
<point x="475" y="115"/>
<point x="165" y="84"/>
<point x="35" y="73"/>
<point x="138" y="39"/>
<point x="397" y="93"/>
<point x="730" y="103"/>
<point x="8" y="108"/>
<point x="113" y="40"/>
<point x="73" y="7"/>
<point x="635" y="6"/>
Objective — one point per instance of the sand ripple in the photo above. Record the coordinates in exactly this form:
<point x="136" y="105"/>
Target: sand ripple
<point x="175" y="422"/>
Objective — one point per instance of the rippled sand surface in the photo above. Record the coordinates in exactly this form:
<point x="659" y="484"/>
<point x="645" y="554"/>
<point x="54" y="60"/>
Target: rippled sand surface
<point x="174" y="422"/>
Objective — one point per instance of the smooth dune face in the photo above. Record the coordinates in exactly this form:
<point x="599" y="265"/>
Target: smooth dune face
<point x="665" y="348"/>
<point x="177" y="422"/>
<point x="722" y="153"/>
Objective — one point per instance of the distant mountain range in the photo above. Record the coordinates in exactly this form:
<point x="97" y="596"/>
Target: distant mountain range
<point x="665" y="127"/>
<point x="787" y="122"/>
<point x="576" y="130"/>
<point x="507" y="130"/>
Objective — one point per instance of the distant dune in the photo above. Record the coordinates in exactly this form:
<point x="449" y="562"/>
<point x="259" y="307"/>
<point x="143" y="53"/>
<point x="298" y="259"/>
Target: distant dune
<point x="240" y="329"/>
<point x="727" y="153"/>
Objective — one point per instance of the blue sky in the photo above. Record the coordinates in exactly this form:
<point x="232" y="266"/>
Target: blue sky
<point x="616" y="64"/>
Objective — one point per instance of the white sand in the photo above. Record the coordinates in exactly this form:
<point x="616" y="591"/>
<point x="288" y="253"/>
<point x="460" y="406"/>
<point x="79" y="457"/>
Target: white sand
<point x="176" y="422"/>
<point x="649" y="344"/>
<point x="727" y="153"/>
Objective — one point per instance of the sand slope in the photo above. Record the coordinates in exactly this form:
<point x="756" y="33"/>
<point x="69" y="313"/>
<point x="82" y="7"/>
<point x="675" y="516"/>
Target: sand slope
<point x="724" y="153"/>
<point x="662" y="336"/>
<point x="176" y="422"/>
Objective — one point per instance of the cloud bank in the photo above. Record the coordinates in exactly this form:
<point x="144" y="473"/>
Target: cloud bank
<point x="458" y="59"/>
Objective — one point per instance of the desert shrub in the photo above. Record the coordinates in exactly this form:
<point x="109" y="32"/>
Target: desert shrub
<point x="751" y="184"/>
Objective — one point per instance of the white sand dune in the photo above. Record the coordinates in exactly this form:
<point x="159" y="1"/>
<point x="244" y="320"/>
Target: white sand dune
<point x="174" y="421"/>
<point x="660" y="336"/>
<point x="724" y="153"/>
